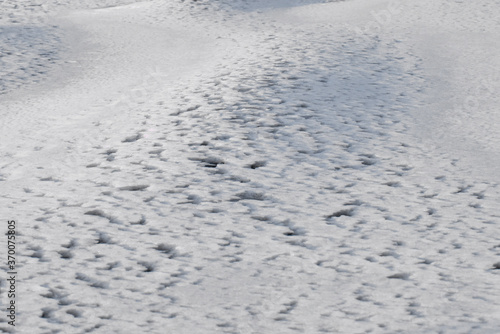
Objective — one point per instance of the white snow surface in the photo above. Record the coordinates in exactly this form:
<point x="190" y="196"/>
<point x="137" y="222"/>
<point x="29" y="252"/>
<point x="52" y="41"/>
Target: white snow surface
<point x="222" y="166"/>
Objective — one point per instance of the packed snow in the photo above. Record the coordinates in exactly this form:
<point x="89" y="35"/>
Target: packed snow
<point x="279" y="166"/>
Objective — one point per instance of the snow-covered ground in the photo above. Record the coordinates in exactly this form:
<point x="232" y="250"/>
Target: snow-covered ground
<point x="280" y="166"/>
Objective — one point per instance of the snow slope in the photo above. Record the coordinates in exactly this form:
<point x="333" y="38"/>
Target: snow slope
<point x="30" y="41"/>
<point x="258" y="167"/>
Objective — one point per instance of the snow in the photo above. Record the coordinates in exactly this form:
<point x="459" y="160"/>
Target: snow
<point x="252" y="166"/>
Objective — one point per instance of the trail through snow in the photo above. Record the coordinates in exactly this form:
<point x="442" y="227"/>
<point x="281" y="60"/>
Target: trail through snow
<point x="242" y="167"/>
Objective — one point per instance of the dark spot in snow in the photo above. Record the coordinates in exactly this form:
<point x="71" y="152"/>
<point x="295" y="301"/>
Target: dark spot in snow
<point x="258" y="164"/>
<point x="75" y="313"/>
<point x="132" y="138"/>
<point x="137" y="187"/>
<point x="403" y="276"/>
<point x="167" y="249"/>
<point x="250" y="195"/>
<point x="47" y="313"/>
<point x="340" y="213"/>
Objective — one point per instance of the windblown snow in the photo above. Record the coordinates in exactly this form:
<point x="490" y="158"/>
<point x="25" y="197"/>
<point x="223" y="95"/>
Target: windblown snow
<point x="275" y="166"/>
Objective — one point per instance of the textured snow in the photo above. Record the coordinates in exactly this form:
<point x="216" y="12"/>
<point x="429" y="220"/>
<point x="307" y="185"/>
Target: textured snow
<point x="252" y="166"/>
